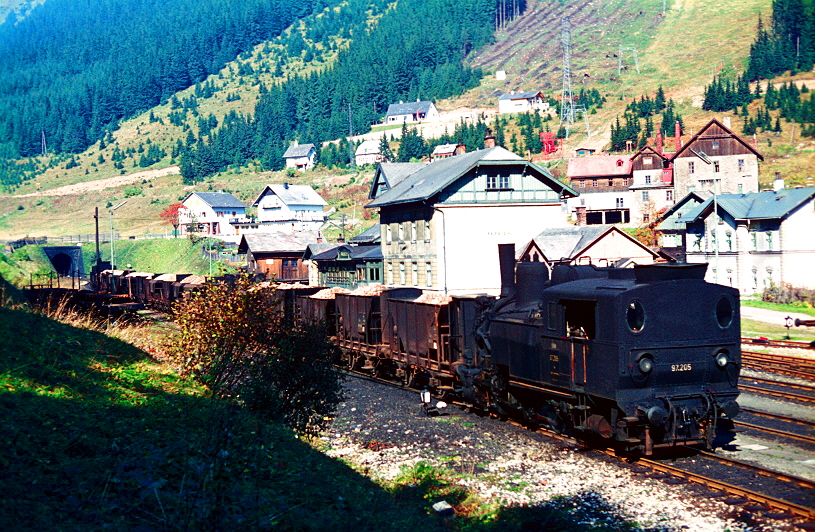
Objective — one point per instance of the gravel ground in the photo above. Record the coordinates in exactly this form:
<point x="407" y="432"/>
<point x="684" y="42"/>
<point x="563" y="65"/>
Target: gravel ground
<point x="379" y="429"/>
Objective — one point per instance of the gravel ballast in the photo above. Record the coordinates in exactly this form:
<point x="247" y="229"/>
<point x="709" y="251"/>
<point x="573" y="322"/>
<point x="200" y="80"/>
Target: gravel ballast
<point x="380" y="429"/>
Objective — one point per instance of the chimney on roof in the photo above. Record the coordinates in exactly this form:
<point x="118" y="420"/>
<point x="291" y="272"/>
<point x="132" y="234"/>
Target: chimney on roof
<point x="489" y="140"/>
<point x="726" y="121"/>
<point x="678" y="135"/>
<point x="461" y="149"/>
<point x="658" y="140"/>
<point x="778" y="182"/>
<point x="285" y="185"/>
<point x="580" y="212"/>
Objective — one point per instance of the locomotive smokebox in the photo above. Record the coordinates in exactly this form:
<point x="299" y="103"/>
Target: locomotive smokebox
<point x="531" y="282"/>
<point x="506" y="260"/>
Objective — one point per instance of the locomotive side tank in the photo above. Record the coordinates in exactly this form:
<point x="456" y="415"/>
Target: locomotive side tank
<point x="648" y="356"/>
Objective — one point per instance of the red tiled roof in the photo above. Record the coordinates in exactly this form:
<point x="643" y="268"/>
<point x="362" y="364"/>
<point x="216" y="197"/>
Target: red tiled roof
<point x="599" y="166"/>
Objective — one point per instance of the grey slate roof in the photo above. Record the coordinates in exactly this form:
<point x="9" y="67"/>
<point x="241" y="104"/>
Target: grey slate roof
<point x="409" y="108"/>
<point x="567" y="242"/>
<point x="768" y="205"/>
<point x="434" y="177"/>
<point x="396" y="172"/>
<point x="372" y="252"/>
<point x="371" y="235"/>
<point x="277" y="242"/>
<point x="316" y="249"/>
<point x="299" y="150"/>
<point x="519" y="96"/>
<point x="292" y="195"/>
<point x="218" y="199"/>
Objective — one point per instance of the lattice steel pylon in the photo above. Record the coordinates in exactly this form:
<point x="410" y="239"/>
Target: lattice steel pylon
<point x="620" y="58"/>
<point x="567" y="110"/>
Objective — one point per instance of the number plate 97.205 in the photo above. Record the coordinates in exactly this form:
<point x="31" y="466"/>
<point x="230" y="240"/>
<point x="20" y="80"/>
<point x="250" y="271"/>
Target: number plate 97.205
<point x="681" y="367"/>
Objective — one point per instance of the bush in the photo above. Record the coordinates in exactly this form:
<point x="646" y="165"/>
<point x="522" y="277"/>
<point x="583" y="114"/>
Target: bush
<point x="236" y="342"/>
<point x="788" y="294"/>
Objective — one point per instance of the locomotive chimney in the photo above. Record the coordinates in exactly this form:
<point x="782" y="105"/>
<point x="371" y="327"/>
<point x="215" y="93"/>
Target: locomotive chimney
<point x="506" y="260"/>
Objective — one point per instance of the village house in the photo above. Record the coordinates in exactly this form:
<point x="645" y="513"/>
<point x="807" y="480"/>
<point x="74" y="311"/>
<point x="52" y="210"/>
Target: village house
<point x="652" y="190"/>
<point x="278" y="256"/>
<point x="603" y="183"/>
<point x="671" y="229"/>
<point x="716" y="159"/>
<point x="601" y="245"/>
<point x="442" y="151"/>
<point x="418" y="111"/>
<point x="289" y="208"/>
<point x="368" y="153"/>
<point x="522" y="102"/>
<point x="349" y="266"/>
<point x="755" y="240"/>
<point x="441" y="223"/>
<point x="211" y="213"/>
<point x="300" y="156"/>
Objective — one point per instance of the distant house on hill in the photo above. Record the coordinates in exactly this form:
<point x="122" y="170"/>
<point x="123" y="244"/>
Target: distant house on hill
<point x="368" y="153"/>
<point x="418" y="111"/>
<point x="522" y="102"/>
<point x="289" y="208"/>
<point x="211" y="213"/>
<point x="442" y="151"/>
<point x="300" y="156"/>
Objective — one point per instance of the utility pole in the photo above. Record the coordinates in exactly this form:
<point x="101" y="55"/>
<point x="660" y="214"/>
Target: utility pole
<point x="567" y="110"/>
<point x="112" y="245"/>
<point x="620" y="58"/>
<point x="342" y="227"/>
<point x="98" y="260"/>
<point x="44" y="146"/>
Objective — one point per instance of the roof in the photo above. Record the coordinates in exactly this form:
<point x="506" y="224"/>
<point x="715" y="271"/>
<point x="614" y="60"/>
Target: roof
<point x="697" y="195"/>
<point x="519" y="95"/>
<point x="317" y="248"/>
<point x="292" y="195"/>
<point x="392" y="173"/>
<point x="277" y="242"/>
<point x="368" y="147"/>
<point x="371" y="235"/>
<point x="298" y="150"/>
<point x="599" y="166"/>
<point x="703" y="133"/>
<point x="368" y="252"/>
<point x="569" y="242"/>
<point x="767" y="205"/>
<point x="218" y="199"/>
<point x="444" y="148"/>
<point x="434" y="177"/>
<point x="409" y="108"/>
<point x="648" y="151"/>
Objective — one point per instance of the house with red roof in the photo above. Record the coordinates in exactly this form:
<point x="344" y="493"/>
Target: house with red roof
<point x="603" y="183"/>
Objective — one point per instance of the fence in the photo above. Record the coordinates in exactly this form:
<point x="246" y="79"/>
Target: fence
<point x="104" y="238"/>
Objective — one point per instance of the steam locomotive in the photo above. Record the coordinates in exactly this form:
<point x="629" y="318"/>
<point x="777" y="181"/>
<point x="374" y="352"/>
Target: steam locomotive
<point x="643" y="357"/>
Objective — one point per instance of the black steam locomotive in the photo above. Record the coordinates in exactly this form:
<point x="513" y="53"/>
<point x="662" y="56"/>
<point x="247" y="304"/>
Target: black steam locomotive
<point x="646" y="357"/>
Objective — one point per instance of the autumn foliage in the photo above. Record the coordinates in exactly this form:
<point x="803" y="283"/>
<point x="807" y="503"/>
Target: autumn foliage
<point x="171" y="214"/>
<point x="235" y="340"/>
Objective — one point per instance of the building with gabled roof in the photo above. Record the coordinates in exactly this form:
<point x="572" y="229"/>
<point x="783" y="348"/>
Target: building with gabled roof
<point x="409" y="112"/>
<point x="349" y="266"/>
<point x="279" y="255"/>
<point x="289" y="208"/>
<point x="211" y="213"/>
<point x="443" y="151"/>
<point x="755" y="240"/>
<point x="602" y="245"/>
<point x="522" y="102"/>
<point x="652" y="190"/>
<point x="372" y="235"/>
<point x="442" y="222"/>
<point x="716" y="158"/>
<point x="671" y="228"/>
<point x="300" y="156"/>
<point x="368" y="153"/>
<point x="602" y="181"/>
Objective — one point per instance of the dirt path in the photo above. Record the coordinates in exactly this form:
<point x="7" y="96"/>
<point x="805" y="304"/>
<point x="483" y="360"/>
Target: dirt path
<point x="100" y="184"/>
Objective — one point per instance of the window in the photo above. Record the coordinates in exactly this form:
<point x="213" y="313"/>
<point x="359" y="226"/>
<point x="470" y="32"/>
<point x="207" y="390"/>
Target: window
<point x="503" y="181"/>
<point x="648" y="161"/>
<point x="401" y="232"/>
<point x="645" y="196"/>
<point x="594" y="183"/>
<point x="428" y="274"/>
<point x="414" y="273"/>
<point x="691" y="167"/>
<point x="741" y="165"/>
<point x="741" y="188"/>
<point x="754" y="238"/>
<point x="669" y="195"/>
<point x="389" y="273"/>
<point x="716" y="166"/>
<point x="647" y="180"/>
<point x="492" y="181"/>
<point x="611" y="182"/>
<point x="646" y="217"/>
<point x="427" y="230"/>
<point x="619" y="203"/>
<point x="413" y="231"/>
<point x="402" y="277"/>
<point x="388" y="233"/>
<point x="715" y="144"/>
<point x="769" y="235"/>
<point x="581" y="183"/>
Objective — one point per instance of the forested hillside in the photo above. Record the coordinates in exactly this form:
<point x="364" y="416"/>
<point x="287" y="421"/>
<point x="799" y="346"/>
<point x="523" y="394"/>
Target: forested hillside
<point x="786" y="43"/>
<point x="71" y="70"/>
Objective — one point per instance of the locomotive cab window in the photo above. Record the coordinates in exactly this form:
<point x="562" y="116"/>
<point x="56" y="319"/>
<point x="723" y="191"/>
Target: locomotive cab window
<point x="580" y="319"/>
<point x="635" y="316"/>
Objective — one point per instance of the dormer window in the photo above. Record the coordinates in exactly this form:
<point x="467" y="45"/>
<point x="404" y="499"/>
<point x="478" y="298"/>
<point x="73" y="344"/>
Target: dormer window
<point x="619" y="162"/>
<point x="648" y="160"/>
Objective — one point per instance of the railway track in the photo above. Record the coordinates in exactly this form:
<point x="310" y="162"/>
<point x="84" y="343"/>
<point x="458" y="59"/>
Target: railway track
<point x="791" y="366"/>
<point x="807" y="397"/>
<point x="778" y="343"/>
<point x="754" y="501"/>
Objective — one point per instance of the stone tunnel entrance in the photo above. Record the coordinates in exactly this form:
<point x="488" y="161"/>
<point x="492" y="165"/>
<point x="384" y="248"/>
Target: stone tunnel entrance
<point x="66" y="260"/>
